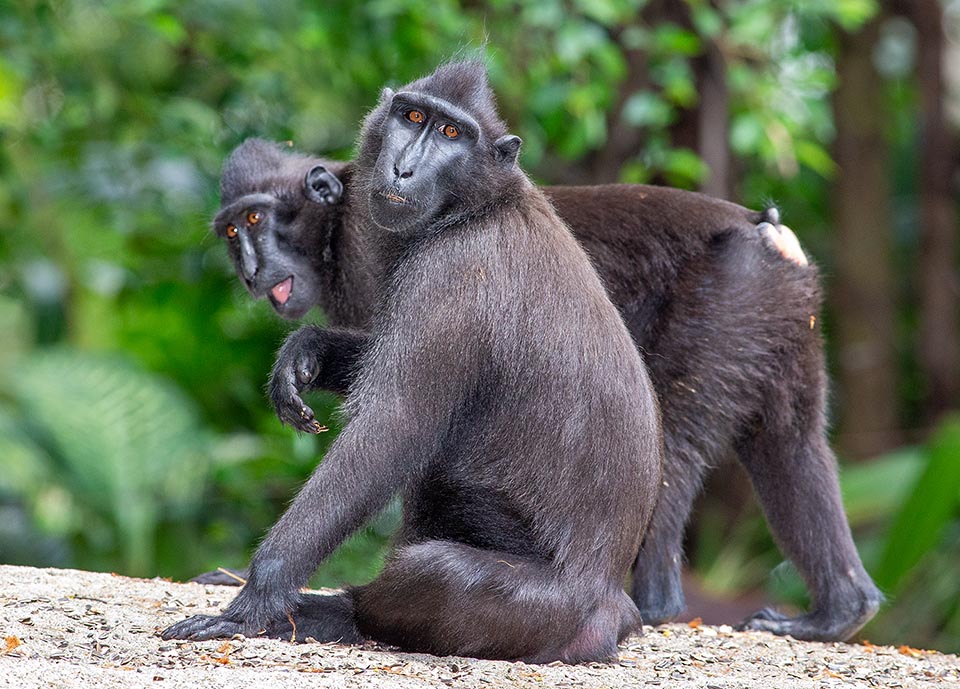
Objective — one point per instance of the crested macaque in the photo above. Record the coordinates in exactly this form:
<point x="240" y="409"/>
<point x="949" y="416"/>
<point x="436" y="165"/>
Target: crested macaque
<point x="499" y="393"/>
<point x="729" y="329"/>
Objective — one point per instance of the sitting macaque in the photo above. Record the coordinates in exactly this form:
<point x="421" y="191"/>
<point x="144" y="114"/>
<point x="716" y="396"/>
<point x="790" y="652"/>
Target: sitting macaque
<point x="719" y="298"/>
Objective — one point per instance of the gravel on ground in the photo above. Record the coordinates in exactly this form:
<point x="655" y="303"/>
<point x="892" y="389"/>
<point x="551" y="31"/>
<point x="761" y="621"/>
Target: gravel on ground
<point x="67" y="628"/>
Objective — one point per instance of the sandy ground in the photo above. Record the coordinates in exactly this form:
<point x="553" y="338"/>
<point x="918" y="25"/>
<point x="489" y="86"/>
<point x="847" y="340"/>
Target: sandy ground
<point x="65" y="628"/>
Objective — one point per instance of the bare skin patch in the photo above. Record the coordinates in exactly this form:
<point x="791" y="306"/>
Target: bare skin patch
<point x="784" y="241"/>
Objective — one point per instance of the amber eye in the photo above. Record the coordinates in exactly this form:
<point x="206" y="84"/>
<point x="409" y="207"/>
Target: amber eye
<point x="253" y="217"/>
<point x="415" y="116"/>
<point x="450" y="131"/>
<point x="231" y="231"/>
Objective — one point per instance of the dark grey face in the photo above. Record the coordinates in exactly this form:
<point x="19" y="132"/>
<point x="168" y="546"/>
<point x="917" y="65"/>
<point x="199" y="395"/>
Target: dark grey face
<point x="273" y="238"/>
<point x="428" y="152"/>
<point x="254" y="228"/>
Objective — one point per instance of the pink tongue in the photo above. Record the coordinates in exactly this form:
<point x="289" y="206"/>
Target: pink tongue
<point x="281" y="290"/>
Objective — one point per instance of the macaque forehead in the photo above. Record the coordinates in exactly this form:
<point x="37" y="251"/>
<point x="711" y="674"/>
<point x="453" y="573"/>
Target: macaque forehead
<point x="255" y="201"/>
<point x="437" y="108"/>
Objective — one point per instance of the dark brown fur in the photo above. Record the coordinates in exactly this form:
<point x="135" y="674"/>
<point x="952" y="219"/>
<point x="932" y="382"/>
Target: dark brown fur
<point x="727" y="329"/>
<point x="501" y="395"/>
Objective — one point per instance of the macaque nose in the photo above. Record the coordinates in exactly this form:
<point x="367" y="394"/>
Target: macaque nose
<point x="249" y="268"/>
<point x="248" y="260"/>
<point x="406" y="174"/>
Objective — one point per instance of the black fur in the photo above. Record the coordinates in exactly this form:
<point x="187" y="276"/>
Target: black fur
<point x="500" y="394"/>
<point x="299" y="219"/>
<point x="726" y="326"/>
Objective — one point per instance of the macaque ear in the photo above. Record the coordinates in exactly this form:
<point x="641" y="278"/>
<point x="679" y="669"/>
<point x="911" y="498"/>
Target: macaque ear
<point x="386" y="95"/>
<point x="322" y="186"/>
<point x="506" y="149"/>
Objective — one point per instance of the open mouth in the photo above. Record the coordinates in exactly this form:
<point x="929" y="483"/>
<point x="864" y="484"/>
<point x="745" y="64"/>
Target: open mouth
<point x="281" y="291"/>
<point x="393" y="198"/>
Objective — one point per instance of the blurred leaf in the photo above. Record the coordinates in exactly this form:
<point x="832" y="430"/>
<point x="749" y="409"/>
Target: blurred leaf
<point x="706" y="19"/>
<point x="926" y="605"/>
<point x="646" y="109"/>
<point x="129" y="443"/>
<point x="815" y="157"/>
<point x="11" y="92"/>
<point x="635" y="172"/>
<point x="575" y="40"/>
<point x="931" y="504"/>
<point x="635" y="38"/>
<point x="874" y="489"/>
<point x="752" y="23"/>
<point x="730" y="561"/>
<point x="678" y="81"/>
<point x="23" y="463"/>
<point x="14" y="331"/>
<point x="852" y="14"/>
<point x="606" y="12"/>
<point x="170" y="28"/>
<point x="670" y="39"/>
<point x="746" y="133"/>
<point x="684" y="168"/>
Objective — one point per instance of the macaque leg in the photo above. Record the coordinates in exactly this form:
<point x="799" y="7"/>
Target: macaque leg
<point x="794" y="473"/>
<point x="452" y="599"/>
<point x="323" y="359"/>
<point x="657" y="588"/>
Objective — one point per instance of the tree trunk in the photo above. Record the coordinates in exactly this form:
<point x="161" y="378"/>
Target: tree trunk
<point x="939" y="337"/>
<point x="623" y="139"/>
<point x="714" y="123"/>
<point x="703" y="129"/>
<point x="863" y="288"/>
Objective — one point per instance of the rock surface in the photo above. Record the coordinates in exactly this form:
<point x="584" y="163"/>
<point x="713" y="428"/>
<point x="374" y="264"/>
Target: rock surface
<point x="66" y="628"/>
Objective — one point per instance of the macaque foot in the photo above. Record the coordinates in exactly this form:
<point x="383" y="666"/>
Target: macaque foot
<point x="662" y="612"/>
<point x="203" y="627"/>
<point x="318" y="617"/>
<point x="782" y="238"/>
<point x="814" y="626"/>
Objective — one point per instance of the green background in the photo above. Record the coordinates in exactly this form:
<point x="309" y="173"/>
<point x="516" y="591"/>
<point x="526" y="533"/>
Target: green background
<point x="134" y="433"/>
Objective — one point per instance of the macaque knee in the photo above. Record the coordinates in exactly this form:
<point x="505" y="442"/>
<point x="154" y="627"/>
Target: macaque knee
<point x="784" y="241"/>
<point x="597" y="637"/>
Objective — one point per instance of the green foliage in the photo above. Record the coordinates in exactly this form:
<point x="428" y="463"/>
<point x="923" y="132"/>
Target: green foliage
<point x="134" y="432"/>
<point x="931" y="506"/>
<point x="874" y="490"/>
<point x="912" y="499"/>
<point x="905" y="505"/>
<point x="102" y="451"/>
